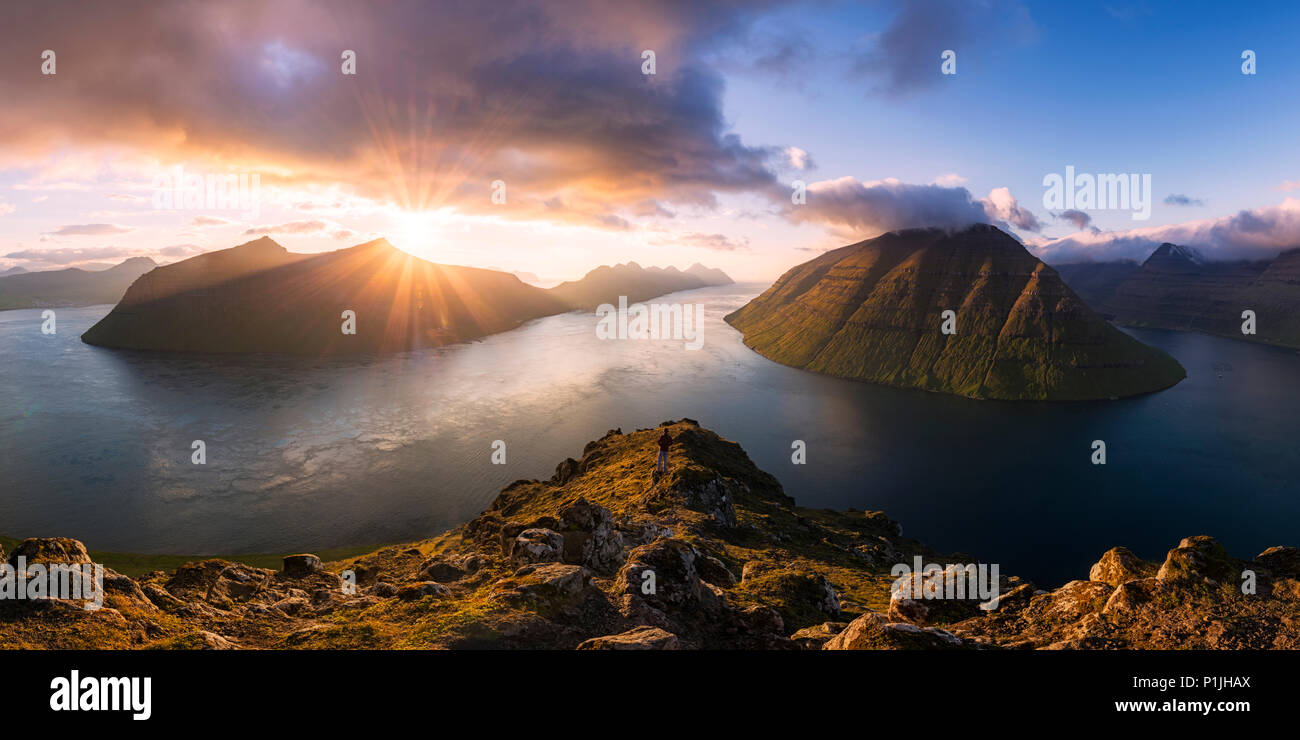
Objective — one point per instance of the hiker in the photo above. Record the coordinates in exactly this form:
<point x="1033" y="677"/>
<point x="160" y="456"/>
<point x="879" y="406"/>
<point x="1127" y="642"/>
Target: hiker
<point x="665" y="441"/>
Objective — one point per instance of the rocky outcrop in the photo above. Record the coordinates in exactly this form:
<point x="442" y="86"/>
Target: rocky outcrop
<point x="609" y="556"/>
<point x="1200" y="597"/>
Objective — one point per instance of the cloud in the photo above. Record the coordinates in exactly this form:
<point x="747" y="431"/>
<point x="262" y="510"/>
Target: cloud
<point x="181" y="250"/>
<point x="949" y="180"/>
<point x="798" y="159"/>
<point x="905" y="57"/>
<point x="1287" y="186"/>
<point x="1258" y="233"/>
<point x="309" y="227"/>
<point x="548" y="97"/>
<point x="127" y="197"/>
<point x="1080" y="219"/>
<point x="206" y="221"/>
<point x="1001" y="206"/>
<point x="1182" y="200"/>
<point x="866" y="209"/>
<point x="6" y="208"/>
<point x="717" y="242"/>
<point x="69" y="256"/>
<point x="90" y="230"/>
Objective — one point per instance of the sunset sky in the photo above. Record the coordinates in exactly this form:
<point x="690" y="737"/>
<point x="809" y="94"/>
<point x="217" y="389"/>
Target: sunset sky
<point x="604" y="164"/>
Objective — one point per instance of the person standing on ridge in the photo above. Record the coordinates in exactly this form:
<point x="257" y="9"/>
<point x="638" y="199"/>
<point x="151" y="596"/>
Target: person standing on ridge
<point x="665" y="441"/>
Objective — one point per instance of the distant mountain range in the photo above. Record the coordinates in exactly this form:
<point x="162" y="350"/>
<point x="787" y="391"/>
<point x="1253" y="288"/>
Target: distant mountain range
<point x="259" y="297"/>
<point x="69" y="287"/>
<point x="605" y="284"/>
<point x="872" y="311"/>
<point x="1177" y="288"/>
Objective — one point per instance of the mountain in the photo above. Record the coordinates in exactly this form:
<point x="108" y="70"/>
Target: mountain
<point x="872" y="311"/>
<point x="259" y="297"/>
<point x="710" y="275"/>
<point x="605" y="284"/>
<point x="70" y="287"/>
<point x="15" y="270"/>
<point x="562" y="563"/>
<point x="1094" y="282"/>
<point x="1177" y="288"/>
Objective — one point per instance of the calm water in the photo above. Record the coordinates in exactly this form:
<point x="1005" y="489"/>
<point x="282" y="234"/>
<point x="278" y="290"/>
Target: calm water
<point x="95" y="443"/>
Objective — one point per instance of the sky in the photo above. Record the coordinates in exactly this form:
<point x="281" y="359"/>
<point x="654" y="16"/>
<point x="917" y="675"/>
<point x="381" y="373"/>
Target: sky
<point x="528" y="136"/>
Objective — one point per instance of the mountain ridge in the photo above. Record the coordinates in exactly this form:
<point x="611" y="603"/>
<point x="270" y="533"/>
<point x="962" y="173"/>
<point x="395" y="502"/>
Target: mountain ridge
<point x="873" y="310"/>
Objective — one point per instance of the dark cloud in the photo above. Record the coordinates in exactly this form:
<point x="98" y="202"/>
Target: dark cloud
<point x="1080" y="219"/>
<point x="906" y="56"/>
<point x="865" y="209"/>
<point x="1182" y="200"/>
<point x="548" y="97"/>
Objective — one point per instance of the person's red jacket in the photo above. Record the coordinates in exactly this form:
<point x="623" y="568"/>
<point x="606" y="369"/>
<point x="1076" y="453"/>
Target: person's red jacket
<point x="665" y="442"/>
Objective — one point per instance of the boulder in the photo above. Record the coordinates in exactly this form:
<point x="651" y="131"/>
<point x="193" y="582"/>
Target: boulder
<point x="938" y="596"/>
<point x="714" y="571"/>
<point x="590" y="537"/>
<point x="419" y="590"/>
<point x="639" y="638"/>
<point x="1118" y="565"/>
<point x="813" y="638"/>
<point x="1132" y="596"/>
<point x="49" y="550"/>
<point x="301" y="566"/>
<point x="537" y="546"/>
<point x="1280" y="561"/>
<point x="1200" y="558"/>
<point x="663" y="574"/>
<point x="441" y="570"/>
<point x="547" y="582"/>
<point x="874" y="631"/>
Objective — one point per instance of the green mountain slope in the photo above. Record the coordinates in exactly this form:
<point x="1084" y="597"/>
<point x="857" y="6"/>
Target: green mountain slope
<point x="872" y="311"/>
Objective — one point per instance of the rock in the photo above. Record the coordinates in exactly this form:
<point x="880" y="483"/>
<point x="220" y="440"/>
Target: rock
<point x="590" y="537"/>
<point x="674" y="582"/>
<point x="213" y="641"/>
<point x="714" y="571"/>
<point x="713" y="497"/>
<point x="160" y="597"/>
<point x="127" y="589"/>
<point x="49" y="550"/>
<point x="947" y="595"/>
<point x="1075" y="599"/>
<point x="762" y="619"/>
<point x="416" y="591"/>
<point x="301" y="566"/>
<point x="548" y="582"/>
<point x="537" y="546"/>
<point x="1132" y="596"/>
<point x="291" y="606"/>
<point x="440" y="570"/>
<point x="1118" y="565"/>
<point x="813" y="638"/>
<point x="1200" y="558"/>
<point x="383" y="590"/>
<point x="639" y="638"/>
<point x="874" y="631"/>
<point x="1281" y="561"/>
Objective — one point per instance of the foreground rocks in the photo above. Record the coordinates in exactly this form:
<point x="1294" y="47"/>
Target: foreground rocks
<point x="606" y="556"/>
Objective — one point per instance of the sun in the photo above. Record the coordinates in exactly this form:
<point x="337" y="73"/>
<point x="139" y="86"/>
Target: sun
<point x="415" y="231"/>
